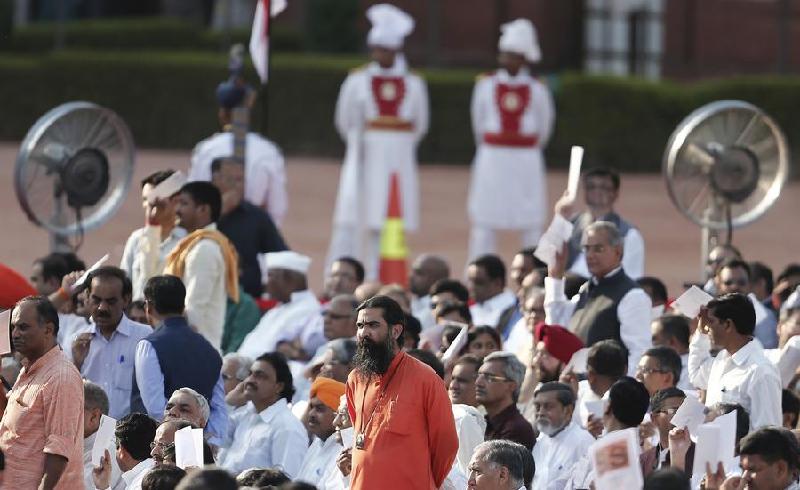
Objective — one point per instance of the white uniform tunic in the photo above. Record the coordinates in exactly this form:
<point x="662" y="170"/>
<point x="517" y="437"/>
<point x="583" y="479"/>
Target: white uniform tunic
<point x="265" y="175"/>
<point x="388" y="109"/>
<point x="512" y="117"/>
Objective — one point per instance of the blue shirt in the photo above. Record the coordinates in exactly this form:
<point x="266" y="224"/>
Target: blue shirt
<point x="109" y="362"/>
<point x="150" y="380"/>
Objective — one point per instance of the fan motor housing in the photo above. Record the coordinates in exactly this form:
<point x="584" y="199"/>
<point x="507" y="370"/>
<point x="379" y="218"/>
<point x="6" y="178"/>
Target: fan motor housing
<point x="85" y="177"/>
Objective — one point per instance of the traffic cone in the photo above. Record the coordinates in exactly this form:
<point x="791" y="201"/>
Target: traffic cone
<point x="393" y="253"/>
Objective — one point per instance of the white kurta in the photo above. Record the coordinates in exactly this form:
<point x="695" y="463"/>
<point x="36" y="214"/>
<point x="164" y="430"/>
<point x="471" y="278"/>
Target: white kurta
<point x="555" y="456"/>
<point x="320" y="462"/>
<point x="283" y="322"/>
<point x="488" y="312"/>
<point x="387" y="144"/>
<point x="273" y="438"/>
<point x="265" y="174"/>
<point x="515" y="172"/>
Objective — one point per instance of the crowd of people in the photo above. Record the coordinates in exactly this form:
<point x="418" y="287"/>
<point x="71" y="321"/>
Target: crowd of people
<point x="515" y="377"/>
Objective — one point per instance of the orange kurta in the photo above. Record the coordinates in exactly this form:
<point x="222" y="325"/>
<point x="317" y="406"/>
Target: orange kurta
<point x="411" y="442"/>
<point x="44" y="416"/>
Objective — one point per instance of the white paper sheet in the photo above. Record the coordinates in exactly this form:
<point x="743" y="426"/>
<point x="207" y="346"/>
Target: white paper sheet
<point x="691" y="414"/>
<point x="574" y="178"/>
<point x="559" y="231"/>
<point x="347" y="437"/>
<point x="707" y="449"/>
<point x="594" y="407"/>
<point x="91" y="269"/>
<point x="727" y="439"/>
<point x="458" y="343"/>
<point x="168" y="187"/>
<point x="189" y="448"/>
<point x="104" y="439"/>
<point x="5" y="334"/>
<point x="615" y="459"/>
<point x="690" y="302"/>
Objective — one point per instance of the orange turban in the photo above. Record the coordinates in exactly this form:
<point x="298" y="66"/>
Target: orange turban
<point x="328" y="391"/>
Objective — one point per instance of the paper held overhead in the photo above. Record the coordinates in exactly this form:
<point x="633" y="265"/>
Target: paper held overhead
<point x="189" y="448"/>
<point x="166" y="189"/>
<point x="690" y="302"/>
<point x="559" y="231"/>
<point x="457" y="345"/>
<point x="691" y="414"/>
<point x="574" y="178"/>
<point x="91" y="269"/>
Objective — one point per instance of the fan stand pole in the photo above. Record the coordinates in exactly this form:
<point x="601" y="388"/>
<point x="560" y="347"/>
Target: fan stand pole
<point x="59" y="243"/>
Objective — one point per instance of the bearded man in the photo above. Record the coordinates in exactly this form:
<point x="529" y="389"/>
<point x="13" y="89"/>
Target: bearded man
<point x="399" y="408"/>
<point x="561" y="442"/>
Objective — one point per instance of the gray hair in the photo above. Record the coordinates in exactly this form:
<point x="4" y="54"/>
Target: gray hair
<point x="94" y="397"/>
<point x="243" y="363"/>
<point x="350" y="300"/>
<point x="610" y="229"/>
<point x="205" y="410"/>
<point x="501" y="452"/>
<point x="343" y="350"/>
<point x="514" y="370"/>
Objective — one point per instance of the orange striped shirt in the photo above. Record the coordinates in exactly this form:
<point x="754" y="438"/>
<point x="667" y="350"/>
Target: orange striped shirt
<point x="44" y="416"/>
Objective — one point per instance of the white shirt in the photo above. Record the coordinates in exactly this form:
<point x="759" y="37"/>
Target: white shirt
<point x="684" y="383"/>
<point x="206" y="296"/>
<point x="421" y="309"/>
<point x="470" y="429"/>
<point x="109" y="363"/>
<point x="138" y="253"/>
<point x="319" y="461"/>
<point x="133" y="477"/>
<point x="585" y="394"/>
<point x="265" y="172"/>
<point x="520" y="341"/>
<point x="273" y="438"/>
<point x="633" y="312"/>
<point x="283" y="322"/>
<point x="632" y="258"/>
<point x="747" y="377"/>
<point x="786" y="359"/>
<point x="488" y="312"/>
<point x="555" y="456"/>
<point x="115" y="482"/>
<point x="68" y="324"/>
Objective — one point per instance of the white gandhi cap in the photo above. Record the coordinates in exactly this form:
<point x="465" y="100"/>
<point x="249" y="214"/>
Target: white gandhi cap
<point x="390" y="26"/>
<point x="288" y="260"/>
<point x="519" y="36"/>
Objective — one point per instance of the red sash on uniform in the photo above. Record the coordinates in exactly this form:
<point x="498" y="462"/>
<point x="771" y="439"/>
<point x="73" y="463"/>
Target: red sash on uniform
<point x="511" y="101"/>
<point x="388" y="93"/>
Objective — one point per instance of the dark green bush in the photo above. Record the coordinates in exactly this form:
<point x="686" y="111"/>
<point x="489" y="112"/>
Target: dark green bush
<point x="168" y="100"/>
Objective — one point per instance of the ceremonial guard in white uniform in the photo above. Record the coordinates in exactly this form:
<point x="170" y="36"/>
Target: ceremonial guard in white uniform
<point x="264" y="172"/>
<point x="381" y="113"/>
<point x="512" y="117"/>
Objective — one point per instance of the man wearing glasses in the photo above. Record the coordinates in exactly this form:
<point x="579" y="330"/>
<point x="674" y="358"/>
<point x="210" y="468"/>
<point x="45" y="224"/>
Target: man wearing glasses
<point x="601" y="191"/>
<point x="659" y="369"/>
<point x="610" y="305"/>
<point x="497" y="389"/>
<point x="663" y="405"/>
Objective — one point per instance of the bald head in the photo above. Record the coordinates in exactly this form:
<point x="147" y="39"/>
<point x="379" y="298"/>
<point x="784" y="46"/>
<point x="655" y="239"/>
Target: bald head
<point x="426" y="270"/>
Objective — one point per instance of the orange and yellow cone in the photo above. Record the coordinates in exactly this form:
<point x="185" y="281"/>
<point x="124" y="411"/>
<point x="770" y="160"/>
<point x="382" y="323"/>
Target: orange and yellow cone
<point x="393" y="251"/>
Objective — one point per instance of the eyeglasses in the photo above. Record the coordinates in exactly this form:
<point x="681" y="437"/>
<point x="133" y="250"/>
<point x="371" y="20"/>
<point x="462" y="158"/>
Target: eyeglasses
<point x="492" y="378"/>
<point x="648" y="370"/>
<point x="666" y="411"/>
<point x="163" y="446"/>
<point x="599" y="187"/>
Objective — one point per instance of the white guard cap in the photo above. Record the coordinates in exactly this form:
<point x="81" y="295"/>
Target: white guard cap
<point x="289" y="260"/>
<point x="519" y="36"/>
<point x="390" y="26"/>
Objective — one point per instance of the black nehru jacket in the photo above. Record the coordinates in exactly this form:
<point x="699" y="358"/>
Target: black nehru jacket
<point x="595" y="317"/>
<point x="252" y="231"/>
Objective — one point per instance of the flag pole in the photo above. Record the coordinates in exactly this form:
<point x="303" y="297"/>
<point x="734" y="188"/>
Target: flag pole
<point x="264" y="86"/>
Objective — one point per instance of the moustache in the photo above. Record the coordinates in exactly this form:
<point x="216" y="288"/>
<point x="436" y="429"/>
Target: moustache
<point x="251" y="386"/>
